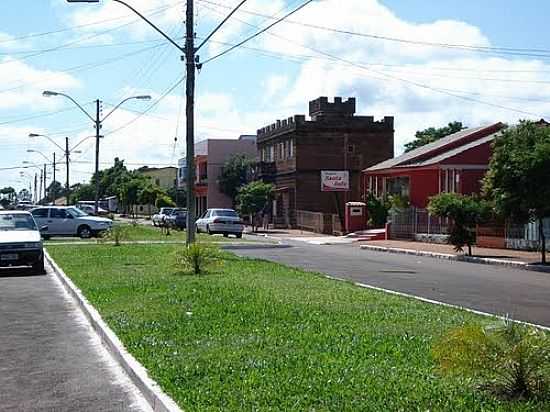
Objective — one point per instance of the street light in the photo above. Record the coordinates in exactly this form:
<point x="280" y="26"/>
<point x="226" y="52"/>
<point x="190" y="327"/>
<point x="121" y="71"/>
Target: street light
<point x="45" y="174"/>
<point x="191" y="65"/>
<point x="97" y="123"/>
<point x="67" y="153"/>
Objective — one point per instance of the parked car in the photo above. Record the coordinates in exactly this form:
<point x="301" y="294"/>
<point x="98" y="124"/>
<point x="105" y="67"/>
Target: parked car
<point x="223" y="221"/>
<point x="24" y="205"/>
<point x="90" y="210"/>
<point x="177" y="219"/>
<point x="159" y="218"/>
<point x="20" y="241"/>
<point x="69" y="221"/>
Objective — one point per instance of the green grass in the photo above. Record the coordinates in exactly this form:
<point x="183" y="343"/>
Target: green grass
<point x="143" y="232"/>
<point x="254" y="335"/>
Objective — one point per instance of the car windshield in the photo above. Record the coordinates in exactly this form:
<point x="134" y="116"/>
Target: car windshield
<point x="74" y="212"/>
<point x="225" y="213"/>
<point x="165" y="211"/>
<point x="16" y="221"/>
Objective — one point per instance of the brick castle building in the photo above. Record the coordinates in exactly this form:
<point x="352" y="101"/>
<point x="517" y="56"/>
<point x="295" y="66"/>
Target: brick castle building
<point x="293" y="152"/>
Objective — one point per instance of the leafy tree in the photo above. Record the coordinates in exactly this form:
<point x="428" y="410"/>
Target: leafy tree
<point x="8" y="192"/>
<point x="130" y="190"/>
<point x="54" y="188"/>
<point x="149" y="193"/>
<point x="111" y="179"/>
<point x="465" y="212"/>
<point x="82" y="192"/>
<point x="423" y="137"/>
<point x="164" y="200"/>
<point x="234" y="175"/>
<point x="5" y="203"/>
<point x="518" y="178"/>
<point x="254" y="197"/>
<point x="377" y="210"/>
<point x="178" y="196"/>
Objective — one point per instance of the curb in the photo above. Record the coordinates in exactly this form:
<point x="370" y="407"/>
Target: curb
<point x="460" y="258"/>
<point x="437" y="302"/>
<point x="151" y="391"/>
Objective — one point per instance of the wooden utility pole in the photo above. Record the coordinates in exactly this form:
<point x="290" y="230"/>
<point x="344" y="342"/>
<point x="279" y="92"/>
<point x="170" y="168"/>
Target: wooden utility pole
<point x="190" y="119"/>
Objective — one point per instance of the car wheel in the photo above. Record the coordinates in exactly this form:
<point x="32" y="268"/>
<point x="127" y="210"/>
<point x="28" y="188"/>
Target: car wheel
<point x="208" y="230"/>
<point x="154" y="223"/>
<point x="226" y="235"/>
<point x="84" y="232"/>
<point x="38" y="267"/>
<point x="239" y="235"/>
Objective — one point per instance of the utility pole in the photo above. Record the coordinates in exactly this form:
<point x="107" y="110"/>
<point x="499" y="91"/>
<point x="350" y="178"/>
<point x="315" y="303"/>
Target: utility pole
<point x="97" y="137"/>
<point x="53" y="181"/>
<point x="39" y="194"/>
<point x="67" y="186"/>
<point x="35" y="193"/>
<point x="190" y="119"/>
<point x="45" y="198"/>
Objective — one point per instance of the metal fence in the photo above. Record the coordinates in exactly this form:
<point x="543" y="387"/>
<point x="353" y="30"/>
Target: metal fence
<point x="413" y="222"/>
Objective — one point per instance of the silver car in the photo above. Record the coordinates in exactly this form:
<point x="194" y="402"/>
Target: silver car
<point x="224" y="221"/>
<point x="69" y="221"/>
<point x="20" y="241"/>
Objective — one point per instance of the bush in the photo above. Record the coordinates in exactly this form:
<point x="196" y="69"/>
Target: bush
<point x="197" y="257"/>
<point x="377" y="210"/>
<point x="117" y="233"/>
<point x="509" y="359"/>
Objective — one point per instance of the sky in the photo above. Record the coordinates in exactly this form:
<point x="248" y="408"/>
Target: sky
<point x="426" y="63"/>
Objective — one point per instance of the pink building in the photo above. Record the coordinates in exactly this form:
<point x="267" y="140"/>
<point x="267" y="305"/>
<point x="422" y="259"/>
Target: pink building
<point x="210" y="156"/>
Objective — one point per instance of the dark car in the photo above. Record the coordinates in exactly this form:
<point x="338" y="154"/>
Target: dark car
<point x="20" y="241"/>
<point x="179" y="215"/>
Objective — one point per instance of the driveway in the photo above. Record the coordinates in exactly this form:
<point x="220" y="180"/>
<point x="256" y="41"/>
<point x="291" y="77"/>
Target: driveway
<point x="521" y="294"/>
<point x="49" y="358"/>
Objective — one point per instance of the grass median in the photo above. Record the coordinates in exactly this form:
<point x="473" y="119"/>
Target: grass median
<point x="254" y="335"/>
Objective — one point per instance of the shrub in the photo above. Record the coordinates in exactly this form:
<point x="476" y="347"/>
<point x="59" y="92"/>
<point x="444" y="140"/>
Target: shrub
<point x="197" y="257"/>
<point x="116" y="234"/>
<point x="377" y="210"/>
<point x="509" y="359"/>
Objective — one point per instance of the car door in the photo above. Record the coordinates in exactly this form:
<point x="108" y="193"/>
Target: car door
<point x="41" y="216"/>
<point x="60" y="222"/>
<point x="201" y="223"/>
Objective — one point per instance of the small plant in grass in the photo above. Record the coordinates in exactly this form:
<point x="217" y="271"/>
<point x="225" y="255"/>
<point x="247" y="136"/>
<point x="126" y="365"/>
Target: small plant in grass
<point x="117" y="234"/>
<point x="197" y="257"/>
<point x="509" y="359"/>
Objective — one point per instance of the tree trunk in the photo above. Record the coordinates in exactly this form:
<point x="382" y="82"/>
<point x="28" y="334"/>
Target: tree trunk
<point x="469" y="250"/>
<point x="542" y="241"/>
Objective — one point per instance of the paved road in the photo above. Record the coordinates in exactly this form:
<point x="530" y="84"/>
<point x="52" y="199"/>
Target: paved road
<point x="49" y="359"/>
<point x="522" y="294"/>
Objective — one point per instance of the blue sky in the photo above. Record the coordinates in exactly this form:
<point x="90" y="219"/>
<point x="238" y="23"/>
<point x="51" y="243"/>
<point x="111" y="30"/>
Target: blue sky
<point x="103" y="51"/>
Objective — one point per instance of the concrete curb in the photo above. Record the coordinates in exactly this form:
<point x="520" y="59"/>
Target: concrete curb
<point x="151" y="391"/>
<point x="437" y="302"/>
<point x="460" y="258"/>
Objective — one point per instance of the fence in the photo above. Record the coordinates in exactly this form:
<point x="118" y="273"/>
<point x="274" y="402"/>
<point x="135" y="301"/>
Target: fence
<point x="527" y="236"/>
<point x="417" y="224"/>
<point x="312" y="221"/>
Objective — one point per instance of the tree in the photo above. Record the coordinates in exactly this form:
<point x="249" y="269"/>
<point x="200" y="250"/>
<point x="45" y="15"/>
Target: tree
<point x="423" y="137"/>
<point x="377" y="210"/>
<point x="8" y="192"/>
<point x="111" y="179"/>
<point x="234" y="175"/>
<point x="518" y="177"/>
<point x="129" y="191"/>
<point x="254" y="197"/>
<point x="82" y="192"/>
<point x="465" y="212"/>
<point x="54" y="188"/>
<point x="163" y="200"/>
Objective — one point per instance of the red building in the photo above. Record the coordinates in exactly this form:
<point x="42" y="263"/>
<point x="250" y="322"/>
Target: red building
<point x="455" y="164"/>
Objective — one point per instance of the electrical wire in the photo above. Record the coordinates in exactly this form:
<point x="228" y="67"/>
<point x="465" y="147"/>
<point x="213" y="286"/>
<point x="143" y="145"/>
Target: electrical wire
<point x="246" y="40"/>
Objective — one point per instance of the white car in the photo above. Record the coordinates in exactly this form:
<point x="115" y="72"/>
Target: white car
<point x="69" y="221"/>
<point x="20" y="241"/>
<point x="224" y="221"/>
<point x="160" y="217"/>
<point x="90" y="210"/>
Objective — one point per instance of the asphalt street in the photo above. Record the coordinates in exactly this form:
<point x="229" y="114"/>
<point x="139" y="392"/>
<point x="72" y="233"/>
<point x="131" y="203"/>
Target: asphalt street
<point x="520" y="294"/>
<point x="49" y="358"/>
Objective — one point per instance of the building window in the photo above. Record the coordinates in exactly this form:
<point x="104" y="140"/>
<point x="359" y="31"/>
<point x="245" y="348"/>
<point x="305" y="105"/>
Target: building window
<point x="290" y="149"/>
<point x="398" y="186"/>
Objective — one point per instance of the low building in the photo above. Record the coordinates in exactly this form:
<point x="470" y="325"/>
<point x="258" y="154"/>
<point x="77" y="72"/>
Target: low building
<point x="165" y="177"/>
<point x="294" y="151"/>
<point x="456" y="163"/>
<point x="210" y="157"/>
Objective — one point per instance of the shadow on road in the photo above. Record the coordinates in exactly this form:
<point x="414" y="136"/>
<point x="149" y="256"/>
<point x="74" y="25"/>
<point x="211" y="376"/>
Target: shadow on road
<point x="18" y="273"/>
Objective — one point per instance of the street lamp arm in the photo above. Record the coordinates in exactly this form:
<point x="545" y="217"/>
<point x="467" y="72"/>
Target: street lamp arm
<point x="181" y="49"/>
<point x="124" y="101"/>
<point x="49" y="138"/>
<point x="79" y="143"/>
<point x="78" y="105"/>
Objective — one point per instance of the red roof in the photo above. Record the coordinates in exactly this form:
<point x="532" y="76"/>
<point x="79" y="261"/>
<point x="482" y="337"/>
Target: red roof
<point x="441" y="149"/>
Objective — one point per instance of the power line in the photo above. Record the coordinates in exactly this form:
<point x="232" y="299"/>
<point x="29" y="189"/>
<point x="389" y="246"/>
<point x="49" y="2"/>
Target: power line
<point x="531" y="52"/>
<point x="258" y="33"/>
<point x="219" y="26"/>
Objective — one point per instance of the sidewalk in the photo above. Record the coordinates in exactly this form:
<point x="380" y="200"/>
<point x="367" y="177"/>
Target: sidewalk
<point x="502" y="254"/>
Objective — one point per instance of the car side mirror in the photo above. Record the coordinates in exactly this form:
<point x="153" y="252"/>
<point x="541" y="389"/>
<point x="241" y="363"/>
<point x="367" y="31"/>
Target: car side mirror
<point x="70" y="217"/>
